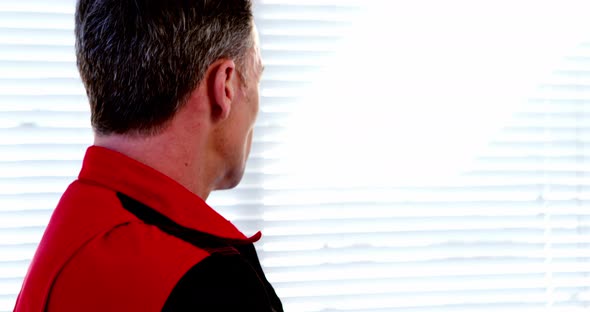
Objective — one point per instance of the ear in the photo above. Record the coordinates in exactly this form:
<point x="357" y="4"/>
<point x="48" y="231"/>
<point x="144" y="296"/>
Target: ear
<point x="222" y="88"/>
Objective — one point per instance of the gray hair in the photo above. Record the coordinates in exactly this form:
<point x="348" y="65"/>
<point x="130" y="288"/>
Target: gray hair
<point x="139" y="60"/>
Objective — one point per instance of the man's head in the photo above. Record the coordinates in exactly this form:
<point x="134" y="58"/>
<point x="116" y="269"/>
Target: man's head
<point x="151" y="67"/>
<point x="140" y="59"/>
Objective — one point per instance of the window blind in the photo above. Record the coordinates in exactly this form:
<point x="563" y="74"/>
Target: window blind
<point x="509" y="234"/>
<point x="512" y="233"/>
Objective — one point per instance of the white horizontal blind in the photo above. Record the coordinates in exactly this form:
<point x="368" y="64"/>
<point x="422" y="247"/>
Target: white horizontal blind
<point x="511" y="235"/>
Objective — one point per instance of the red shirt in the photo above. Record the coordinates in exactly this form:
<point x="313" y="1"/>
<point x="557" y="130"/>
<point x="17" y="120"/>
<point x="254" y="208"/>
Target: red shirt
<point x="97" y="256"/>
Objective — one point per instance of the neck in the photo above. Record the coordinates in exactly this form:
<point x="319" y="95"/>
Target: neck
<point x="163" y="153"/>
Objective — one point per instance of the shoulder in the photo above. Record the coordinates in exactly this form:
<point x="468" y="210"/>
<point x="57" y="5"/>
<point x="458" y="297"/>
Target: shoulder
<point x="134" y="265"/>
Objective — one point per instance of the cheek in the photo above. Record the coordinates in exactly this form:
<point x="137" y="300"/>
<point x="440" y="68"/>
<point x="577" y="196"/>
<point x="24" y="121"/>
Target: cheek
<point x="248" y="140"/>
<point x="256" y="99"/>
<point x="249" y="143"/>
<point x="255" y="111"/>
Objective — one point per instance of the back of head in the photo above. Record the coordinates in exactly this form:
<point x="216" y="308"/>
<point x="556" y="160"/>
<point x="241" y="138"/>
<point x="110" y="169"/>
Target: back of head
<point x="139" y="60"/>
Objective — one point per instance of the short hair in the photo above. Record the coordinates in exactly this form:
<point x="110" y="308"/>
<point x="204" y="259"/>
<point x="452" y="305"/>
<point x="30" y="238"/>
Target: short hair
<point x="140" y="59"/>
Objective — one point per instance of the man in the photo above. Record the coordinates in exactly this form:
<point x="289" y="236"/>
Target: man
<point x="173" y="91"/>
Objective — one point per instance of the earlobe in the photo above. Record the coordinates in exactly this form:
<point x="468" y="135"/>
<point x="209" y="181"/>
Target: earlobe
<point x="223" y="92"/>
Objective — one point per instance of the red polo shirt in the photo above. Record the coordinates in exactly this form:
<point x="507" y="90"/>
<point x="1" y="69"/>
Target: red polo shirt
<point x="96" y="255"/>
